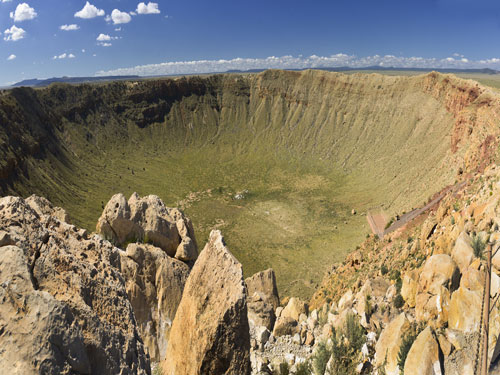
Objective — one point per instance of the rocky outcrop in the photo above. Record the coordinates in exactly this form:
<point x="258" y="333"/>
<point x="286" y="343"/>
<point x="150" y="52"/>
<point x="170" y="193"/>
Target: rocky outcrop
<point x="154" y="283"/>
<point x="210" y="332"/>
<point x="64" y="307"/>
<point x="148" y="220"/>
<point x="263" y="299"/>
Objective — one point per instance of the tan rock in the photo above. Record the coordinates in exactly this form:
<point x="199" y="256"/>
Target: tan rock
<point x="63" y="303"/>
<point x="210" y="332"/>
<point x="346" y="301"/>
<point x="462" y="252"/>
<point x="264" y="282"/>
<point x="387" y="347"/>
<point x="294" y="308"/>
<point x="465" y="310"/>
<point x="423" y="357"/>
<point x="439" y="270"/>
<point x="260" y="312"/>
<point x="147" y="219"/>
<point x="409" y="287"/>
<point x="154" y="283"/>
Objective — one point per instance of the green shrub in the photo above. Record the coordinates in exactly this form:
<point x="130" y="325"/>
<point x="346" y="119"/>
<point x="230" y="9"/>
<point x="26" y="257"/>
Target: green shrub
<point x="452" y="220"/>
<point x="384" y="269"/>
<point x="321" y="358"/>
<point x="478" y="245"/>
<point x="303" y="368"/>
<point x="399" y="301"/>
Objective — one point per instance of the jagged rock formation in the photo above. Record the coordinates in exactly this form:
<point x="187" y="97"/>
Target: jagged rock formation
<point x="63" y="303"/>
<point x="263" y="299"/>
<point x="154" y="282"/>
<point x="210" y="332"/>
<point x="148" y="220"/>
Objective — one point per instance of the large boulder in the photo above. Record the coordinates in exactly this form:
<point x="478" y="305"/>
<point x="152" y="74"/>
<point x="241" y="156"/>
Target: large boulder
<point x="462" y="252"/>
<point x="63" y="303"/>
<point x="210" y="332"/>
<point x="387" y="348"/>
<point x="294" y="308"/>
<point x="154" y="283"/>
<point x="423" y="357"/>
<point x="409" y="287"/>
<point x="465" y="310"/>
<point x="148" y="220"/>
<point x="439" y="277"/>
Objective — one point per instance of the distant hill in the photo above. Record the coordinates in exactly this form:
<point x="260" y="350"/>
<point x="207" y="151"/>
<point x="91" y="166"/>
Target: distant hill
<point x="45" y="82"/>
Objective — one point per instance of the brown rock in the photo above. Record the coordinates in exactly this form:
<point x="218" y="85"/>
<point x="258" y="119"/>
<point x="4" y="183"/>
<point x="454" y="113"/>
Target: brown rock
<point x="210" y="332"/>
<point x="154" y="283"/>
<point x="285" y="326"/>
<point x="439" y="270"/>
<point x="260" y="312"/>
<point x="423" y="357"/>
<point x="64" y="307"/>
<point x="409" y="287"/>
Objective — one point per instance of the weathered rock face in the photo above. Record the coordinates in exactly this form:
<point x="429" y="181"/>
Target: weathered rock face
<point x="462" y="252"/>
<point x="387" y="348"/>
<point x="465" y="310"/>
<point x="154" y="283"/>
<point x="64" y="307"/>
<point x="263" y="299"/>
<point x="439" y="277"/>
<point x="148" y="220"/>
<point x="210" y="332"/>
<point x="423" y="357"/>
<point x="264" y="283"/>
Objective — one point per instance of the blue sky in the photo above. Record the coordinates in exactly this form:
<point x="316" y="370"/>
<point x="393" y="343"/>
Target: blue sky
<point x="198" y="36"/>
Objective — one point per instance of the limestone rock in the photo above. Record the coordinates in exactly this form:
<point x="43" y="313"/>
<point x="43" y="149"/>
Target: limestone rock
<point x="387" y="347"/>
<point x="154" y="284"/>
<point x="264" y="282"/>
<point x="462" y="252"/>
<point x="260" y="312"/>
<point x="294" y="308"/>
<point x="409" y="287"/>
<point x="64" y="308"/>
<point x="210" y="332"/>
<point x="423" y="357"/>
<point x="465" y="310"/>
<point x="147" y="219"/>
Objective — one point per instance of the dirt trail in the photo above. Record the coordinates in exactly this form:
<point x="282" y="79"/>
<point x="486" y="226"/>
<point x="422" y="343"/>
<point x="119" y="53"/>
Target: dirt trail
<point x="404" y="219"/>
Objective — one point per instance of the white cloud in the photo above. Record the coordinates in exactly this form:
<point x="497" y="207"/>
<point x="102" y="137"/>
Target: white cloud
<point x="133" y="13"/>
<point x="120" y="17"/>
<point x="302" y="62"/>
<point x="6" y="1"/>
<point x="89" y="11"/>
<point x="83" y="51"/>
<point x="64" y="56"/>
<point x="150" y="8"/>
<point x="118" y="29"/>
<point x="11" y="57"/>
<point x="103" y="44"/>
<point x="103" y="37"/>
<point x="69" y="27"/>
<point x="14" y="34"/>
<point x="23" y="12"/>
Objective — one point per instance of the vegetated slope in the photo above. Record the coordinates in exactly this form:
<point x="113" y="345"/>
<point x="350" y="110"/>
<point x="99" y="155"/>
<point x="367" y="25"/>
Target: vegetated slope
<point x="301" y="148"/>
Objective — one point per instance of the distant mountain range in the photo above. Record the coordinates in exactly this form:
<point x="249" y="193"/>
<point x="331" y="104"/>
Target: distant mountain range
<point x="45" y="82"/>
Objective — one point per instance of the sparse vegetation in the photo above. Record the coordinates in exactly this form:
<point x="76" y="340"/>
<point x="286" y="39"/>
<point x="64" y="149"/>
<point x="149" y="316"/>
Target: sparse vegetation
<point x="406" y="344"/>
<point x="399" y="301"/>
<point x="478" y="245"/>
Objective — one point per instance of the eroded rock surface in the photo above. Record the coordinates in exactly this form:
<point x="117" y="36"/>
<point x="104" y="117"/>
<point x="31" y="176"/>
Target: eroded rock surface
<point x="210" y="332"/>
<point x="147" y="219"/>
<point x="64" y="308"/>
